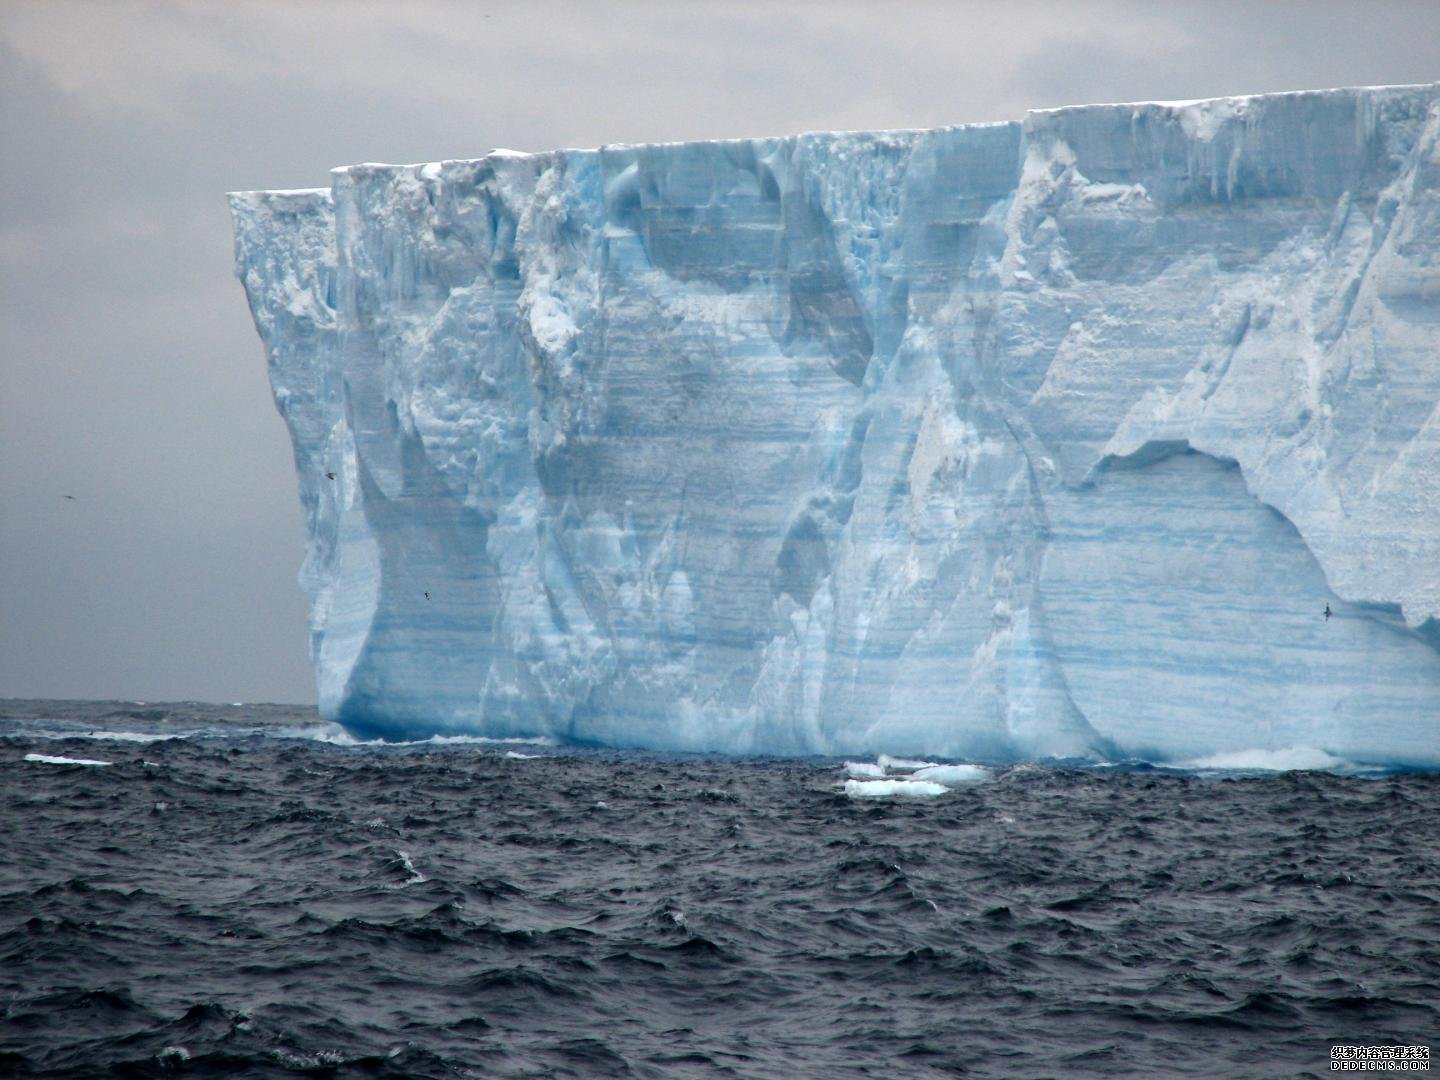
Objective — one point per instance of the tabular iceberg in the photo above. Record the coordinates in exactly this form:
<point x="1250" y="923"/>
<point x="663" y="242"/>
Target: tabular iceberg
<point x="1005" y="441"/>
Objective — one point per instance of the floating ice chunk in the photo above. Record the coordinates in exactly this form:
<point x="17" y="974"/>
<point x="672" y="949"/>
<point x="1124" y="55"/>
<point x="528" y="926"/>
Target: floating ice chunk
<point x="891" y="764"/>
<point x="885" y="789"/>
<point x="1290" y="759"/>
<point x="49" y="759"/>
<point x="952" y="775"/>
<point x="864" y="770"/>
<point x="928" y="771"/>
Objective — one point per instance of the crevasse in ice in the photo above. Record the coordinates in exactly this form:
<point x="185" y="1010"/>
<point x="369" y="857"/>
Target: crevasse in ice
<point x="1005" y="441"/>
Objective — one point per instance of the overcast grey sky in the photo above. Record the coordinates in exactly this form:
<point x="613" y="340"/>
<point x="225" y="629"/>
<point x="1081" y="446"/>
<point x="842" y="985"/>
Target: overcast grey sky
<point x="132" y="376"/>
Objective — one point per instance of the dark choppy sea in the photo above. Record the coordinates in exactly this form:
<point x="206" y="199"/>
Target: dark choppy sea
<point x="256" y="897"/>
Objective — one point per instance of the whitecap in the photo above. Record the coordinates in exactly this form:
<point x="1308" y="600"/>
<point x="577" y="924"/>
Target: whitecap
<point x="111" y="736"/>
<point x="1288" y="759"/>
<point x="481" y="740"/>
<point x="416" y="877"/>
<point x="336" y="735"/>
<point x="326" y="733"/>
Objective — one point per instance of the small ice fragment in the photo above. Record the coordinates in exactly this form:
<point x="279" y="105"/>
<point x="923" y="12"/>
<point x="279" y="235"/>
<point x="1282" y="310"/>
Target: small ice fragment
<point x="884" y="789"/>
<point x="48" y="759"/>
<point x="863" y="770"/>
<point x="891" y="763"/>
<point x="952" y="775"/>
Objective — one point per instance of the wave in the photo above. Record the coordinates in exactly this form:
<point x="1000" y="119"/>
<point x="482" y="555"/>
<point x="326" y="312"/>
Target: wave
<point x="331" y="733"/>
<point x="198" y="722"/>
<point x="1288" y="759"/>
<point x="336" y="735"/>
<point x="114" y="736"/>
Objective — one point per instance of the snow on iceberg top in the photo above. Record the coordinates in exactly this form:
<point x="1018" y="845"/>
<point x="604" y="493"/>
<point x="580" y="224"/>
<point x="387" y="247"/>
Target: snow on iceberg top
<point x="281" y="201"/>
<point x="1200" y="117"/>
<point x="1243" y="99"/>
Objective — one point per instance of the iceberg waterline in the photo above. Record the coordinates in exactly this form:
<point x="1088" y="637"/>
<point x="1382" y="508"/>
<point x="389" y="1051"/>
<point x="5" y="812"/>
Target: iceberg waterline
<point x="1006" y="441"/>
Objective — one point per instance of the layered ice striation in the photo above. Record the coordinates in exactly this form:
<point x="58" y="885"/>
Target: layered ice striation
<point x="1002" y="441"/>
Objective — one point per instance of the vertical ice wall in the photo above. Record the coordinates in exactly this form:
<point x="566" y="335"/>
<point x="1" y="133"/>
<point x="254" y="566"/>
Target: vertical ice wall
<point x="1006" y="440"/>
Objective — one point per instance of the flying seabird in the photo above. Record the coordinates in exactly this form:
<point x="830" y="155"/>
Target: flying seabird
<point x="329" y="476"/>
<point x="1328" y="612"/>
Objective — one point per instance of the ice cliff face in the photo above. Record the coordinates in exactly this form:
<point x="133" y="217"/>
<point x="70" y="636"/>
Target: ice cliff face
<point x="1003" y="441"/>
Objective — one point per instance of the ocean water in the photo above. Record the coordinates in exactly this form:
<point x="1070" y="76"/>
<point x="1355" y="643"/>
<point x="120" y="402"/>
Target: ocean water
<point x="244" y="891"/>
